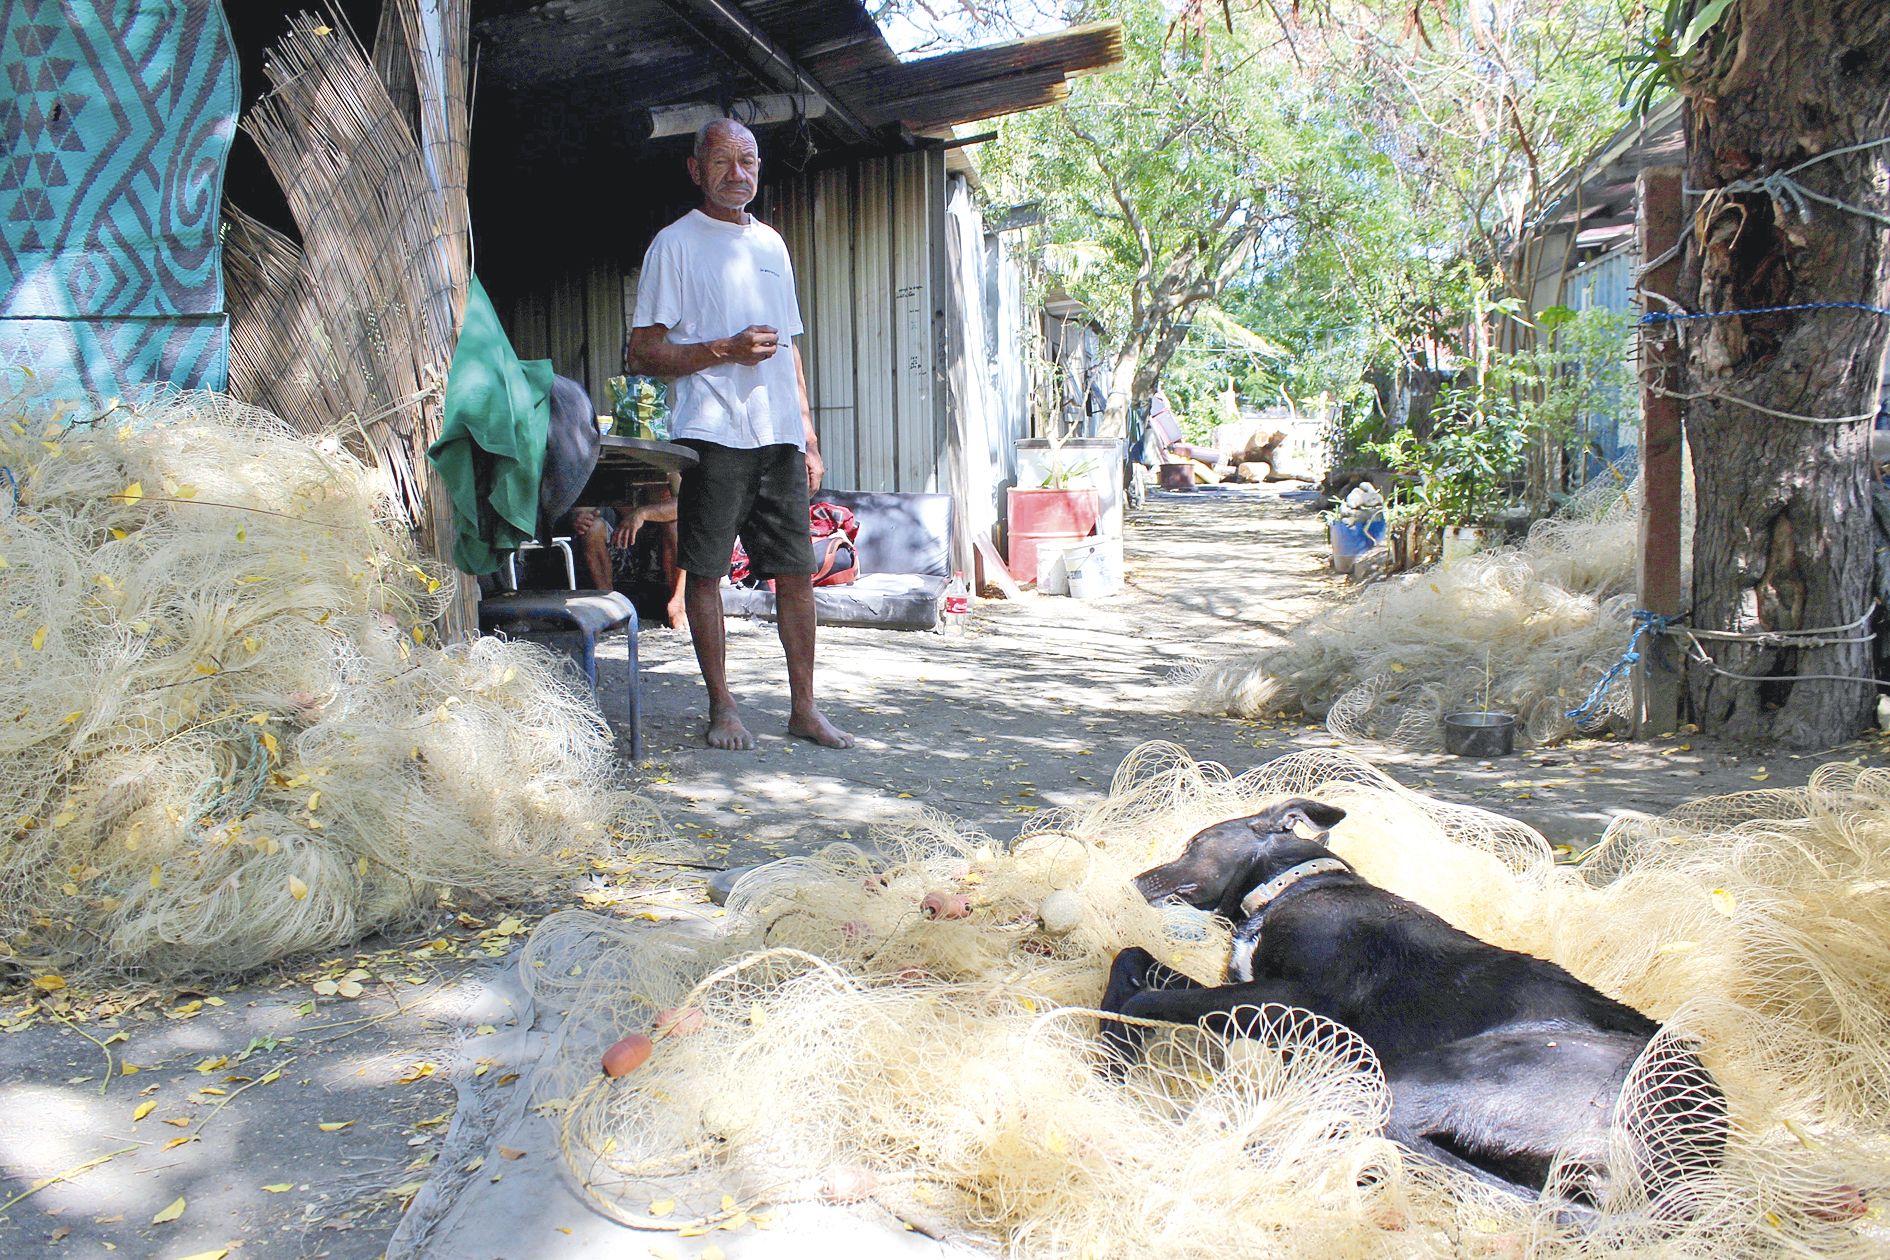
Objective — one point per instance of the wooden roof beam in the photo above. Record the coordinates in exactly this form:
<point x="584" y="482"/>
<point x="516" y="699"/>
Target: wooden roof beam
<point x="723" y="26"/>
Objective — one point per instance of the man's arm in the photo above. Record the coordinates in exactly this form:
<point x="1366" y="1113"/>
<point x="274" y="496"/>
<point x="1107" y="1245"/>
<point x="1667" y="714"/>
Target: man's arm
<point x="633" y="521"/>
<point x="651" y="353"/>
<point x="816" y="466"/>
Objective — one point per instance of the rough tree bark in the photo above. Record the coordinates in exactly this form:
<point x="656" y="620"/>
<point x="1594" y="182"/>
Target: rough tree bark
<point x="1782" y="537"/>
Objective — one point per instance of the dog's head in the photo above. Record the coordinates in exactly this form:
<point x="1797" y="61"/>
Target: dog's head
<point x="1224" y="862"/>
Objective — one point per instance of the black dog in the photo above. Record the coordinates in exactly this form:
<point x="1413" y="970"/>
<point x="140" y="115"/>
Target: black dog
<point x="1497" y="1061"/>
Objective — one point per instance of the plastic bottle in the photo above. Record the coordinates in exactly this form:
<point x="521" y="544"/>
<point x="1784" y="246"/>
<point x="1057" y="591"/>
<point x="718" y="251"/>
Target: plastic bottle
<point x="957" y="604"/>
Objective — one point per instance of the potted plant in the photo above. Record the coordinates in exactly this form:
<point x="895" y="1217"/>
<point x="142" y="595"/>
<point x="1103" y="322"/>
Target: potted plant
<point x="1469" y="461"/>
<point x="1462" y="471"/>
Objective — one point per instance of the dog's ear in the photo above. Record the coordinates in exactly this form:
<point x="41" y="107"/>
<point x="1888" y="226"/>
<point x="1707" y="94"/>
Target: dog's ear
<point x="1289" y="815"/>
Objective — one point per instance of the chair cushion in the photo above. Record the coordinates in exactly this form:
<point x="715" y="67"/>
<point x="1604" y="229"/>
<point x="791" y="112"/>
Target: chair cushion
<point x="884" y="601"/>
<point x="592" y="612"/>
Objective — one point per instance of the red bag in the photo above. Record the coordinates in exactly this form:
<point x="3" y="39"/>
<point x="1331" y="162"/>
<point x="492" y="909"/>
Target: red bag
<point x="836" y="543"/>
<point x="835" y="532"/>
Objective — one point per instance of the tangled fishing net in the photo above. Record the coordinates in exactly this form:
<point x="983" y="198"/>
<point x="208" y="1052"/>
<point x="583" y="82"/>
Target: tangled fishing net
<point x="1527" y="629"/>
<point x="227" y="734"/>
<point x="829" y="1040"/>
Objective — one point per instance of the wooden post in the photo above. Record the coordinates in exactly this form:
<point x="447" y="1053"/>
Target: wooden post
<point x="1658" y="680"/>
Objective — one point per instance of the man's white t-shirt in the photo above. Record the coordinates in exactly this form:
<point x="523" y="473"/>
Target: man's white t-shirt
<point x="704" y="278"/>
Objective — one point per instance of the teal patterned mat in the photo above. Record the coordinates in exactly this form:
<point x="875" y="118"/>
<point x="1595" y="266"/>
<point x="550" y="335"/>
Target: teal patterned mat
<point x="116" y="119"/>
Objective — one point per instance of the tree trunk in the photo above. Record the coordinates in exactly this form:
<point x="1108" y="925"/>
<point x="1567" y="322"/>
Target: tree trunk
<point x="1125" y="377"/>
<point x="1782" y="538"/>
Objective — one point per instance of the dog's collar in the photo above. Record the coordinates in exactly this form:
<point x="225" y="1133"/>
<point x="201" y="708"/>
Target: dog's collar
<point x="1267" y="893"/>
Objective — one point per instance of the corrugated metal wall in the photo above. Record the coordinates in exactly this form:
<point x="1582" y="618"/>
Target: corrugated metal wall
<point x="867" y="243"/>
<point x="1606" y="284"/>
<point x="576" y="320"/>
<point x="1611" y="434"/>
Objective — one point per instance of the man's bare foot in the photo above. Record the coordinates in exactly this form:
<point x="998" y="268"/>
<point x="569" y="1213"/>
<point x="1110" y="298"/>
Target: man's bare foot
<point x="677" y="614"/>
<point x="817" y="729"/>
<point x="726" y="731"/>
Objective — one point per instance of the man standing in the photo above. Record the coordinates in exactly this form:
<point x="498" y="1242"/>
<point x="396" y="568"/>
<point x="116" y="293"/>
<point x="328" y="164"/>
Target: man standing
<point x="714" y="305"/>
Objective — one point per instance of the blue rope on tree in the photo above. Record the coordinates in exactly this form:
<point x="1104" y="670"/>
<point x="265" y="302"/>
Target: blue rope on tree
<point x="1643" y="622"/>
<point x="1670" y="317"/>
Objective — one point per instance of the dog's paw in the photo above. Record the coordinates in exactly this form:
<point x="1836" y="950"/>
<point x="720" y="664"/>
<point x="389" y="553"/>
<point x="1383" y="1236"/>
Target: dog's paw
<point x="1122" y="1047"/>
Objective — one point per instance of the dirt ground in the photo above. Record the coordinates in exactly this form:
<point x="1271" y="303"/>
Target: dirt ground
<point x="295" y="1122"/>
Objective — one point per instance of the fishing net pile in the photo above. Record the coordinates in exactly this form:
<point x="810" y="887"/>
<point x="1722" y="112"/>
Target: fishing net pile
<point x="226" y="735"/>
<point x="908" y="1029"/>
<point x="1528" y="629"/>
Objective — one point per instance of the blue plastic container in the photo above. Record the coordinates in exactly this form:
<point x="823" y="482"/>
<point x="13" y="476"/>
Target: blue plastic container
<point x="1356" y="540"/>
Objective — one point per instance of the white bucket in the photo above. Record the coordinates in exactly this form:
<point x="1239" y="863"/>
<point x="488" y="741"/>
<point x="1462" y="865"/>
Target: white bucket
<point x="1053" y="576"/>
<point x="1464" y="540"/>
<point x="1087" y="569"/>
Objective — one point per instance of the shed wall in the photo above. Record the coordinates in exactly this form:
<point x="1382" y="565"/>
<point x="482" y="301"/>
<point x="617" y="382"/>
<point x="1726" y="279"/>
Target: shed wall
<point x="867" y="247"/>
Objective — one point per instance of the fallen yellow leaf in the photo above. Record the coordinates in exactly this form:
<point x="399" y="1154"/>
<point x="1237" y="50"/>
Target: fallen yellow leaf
<point x="144" y="1109"/>
<point x="133" y="492"/>
<point x="333" y="1126"/>
<point x="281" y="1187"/>
<point x="662" y="1207"/>
<point x="170" y="1213"/>
<point x="216" y="1254"/>
<point x="1723" y="902"/>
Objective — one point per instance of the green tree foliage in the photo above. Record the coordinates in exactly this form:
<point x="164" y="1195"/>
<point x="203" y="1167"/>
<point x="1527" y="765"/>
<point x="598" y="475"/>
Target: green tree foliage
<point x="1165" y="179"/>
<point x="1343" y="178"/>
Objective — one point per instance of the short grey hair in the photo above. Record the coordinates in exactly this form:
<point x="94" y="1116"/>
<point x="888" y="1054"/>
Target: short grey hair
<point x="718" y="126"/>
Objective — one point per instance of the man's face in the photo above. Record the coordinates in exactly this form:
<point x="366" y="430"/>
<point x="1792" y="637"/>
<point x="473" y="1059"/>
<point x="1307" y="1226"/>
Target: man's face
<point x="729" y="170"/>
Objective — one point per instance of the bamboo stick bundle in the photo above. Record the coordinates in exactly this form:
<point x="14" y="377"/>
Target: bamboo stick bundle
<point x="375" y="177"/>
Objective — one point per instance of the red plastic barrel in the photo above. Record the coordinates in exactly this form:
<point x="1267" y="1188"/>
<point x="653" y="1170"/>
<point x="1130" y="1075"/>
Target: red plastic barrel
<point x="1045" y="516"/>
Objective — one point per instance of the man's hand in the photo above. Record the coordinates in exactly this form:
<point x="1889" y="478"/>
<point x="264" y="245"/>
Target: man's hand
<point x="582" y="520"/>
<point x="651" y="353"/>
<point x="753" y="345"/>
<point x="627" y="530"/>
<point x="816" y="469"/>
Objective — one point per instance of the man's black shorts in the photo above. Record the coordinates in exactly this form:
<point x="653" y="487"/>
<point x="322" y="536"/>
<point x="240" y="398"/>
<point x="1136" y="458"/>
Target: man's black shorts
<point x="758" y="493"/>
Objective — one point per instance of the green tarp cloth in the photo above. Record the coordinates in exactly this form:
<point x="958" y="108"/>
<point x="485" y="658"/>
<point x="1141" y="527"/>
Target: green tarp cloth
<point x="492" y="448"/>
